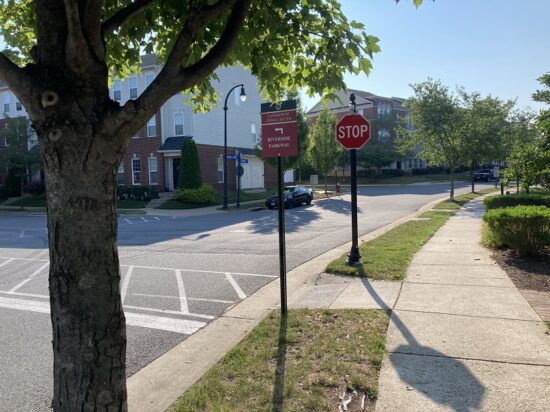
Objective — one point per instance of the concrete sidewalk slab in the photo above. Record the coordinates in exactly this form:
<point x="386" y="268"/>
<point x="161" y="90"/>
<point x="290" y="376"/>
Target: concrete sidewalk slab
<point x="505" y="303"/>
<point x="444" y="257"/>
<point x="458" y="275"/>
<point x="469" y="337"/>
<point x="438" y="383"/>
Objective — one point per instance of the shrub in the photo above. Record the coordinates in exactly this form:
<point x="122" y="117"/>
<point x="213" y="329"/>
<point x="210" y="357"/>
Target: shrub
<point x="493" y="202"/>
<point x="525" y="228"/>
<point x="201" y="196"/>
<point x="36" y="188"/>
<point x="392" y="172"/>
<point x="136" y="193"/>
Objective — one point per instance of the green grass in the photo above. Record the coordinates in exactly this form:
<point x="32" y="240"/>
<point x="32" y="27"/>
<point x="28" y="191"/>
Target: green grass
<point x="548" y="324"/>
<point x="387" y="257"/>
<point x="298" y="365"/>
<point x="231" y="198"/>
<point x="461" y="200"/>
<point x="131" y="204"/>
<point x="29" y="201"/>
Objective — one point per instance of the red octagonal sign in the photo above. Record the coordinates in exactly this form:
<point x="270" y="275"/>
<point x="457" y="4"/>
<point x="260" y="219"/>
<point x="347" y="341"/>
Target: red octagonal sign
<point x="353" y="131"/>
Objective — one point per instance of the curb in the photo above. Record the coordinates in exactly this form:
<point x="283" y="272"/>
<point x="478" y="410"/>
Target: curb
<point x="159" y="384"/>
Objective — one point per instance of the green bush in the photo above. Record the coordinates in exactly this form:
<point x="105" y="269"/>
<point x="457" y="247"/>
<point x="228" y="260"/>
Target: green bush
<point x="494" y="202"/>
<point x="201" y="196"/>
<point x="524" y="228"/>
<point x="190" y="167"/>
<point x="137" y="193"/>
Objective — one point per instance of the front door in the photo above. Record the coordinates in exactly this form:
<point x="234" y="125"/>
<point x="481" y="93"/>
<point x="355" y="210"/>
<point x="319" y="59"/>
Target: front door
<point x="175" y="171"/>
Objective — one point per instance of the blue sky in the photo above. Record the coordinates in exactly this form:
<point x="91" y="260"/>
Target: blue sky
<point x="496" y="47"/>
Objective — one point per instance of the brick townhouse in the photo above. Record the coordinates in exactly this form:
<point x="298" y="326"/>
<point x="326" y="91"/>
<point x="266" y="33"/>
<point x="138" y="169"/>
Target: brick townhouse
<point x="152" y="157"/>
<point x="383" y="114"/>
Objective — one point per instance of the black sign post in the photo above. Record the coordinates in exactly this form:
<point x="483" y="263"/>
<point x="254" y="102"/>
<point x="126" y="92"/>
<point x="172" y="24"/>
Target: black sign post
<point x="279" y="139"/>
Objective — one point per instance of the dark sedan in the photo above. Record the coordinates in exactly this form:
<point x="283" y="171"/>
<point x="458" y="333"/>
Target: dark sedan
<point x="293" y="195"/>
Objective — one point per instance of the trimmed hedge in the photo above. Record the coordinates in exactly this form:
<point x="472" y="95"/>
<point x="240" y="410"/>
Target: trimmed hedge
<point x="136" y="193"/>
<point x="204" y="195"/>
<point x="524" y="228"/>
<point x="494" y="202"/>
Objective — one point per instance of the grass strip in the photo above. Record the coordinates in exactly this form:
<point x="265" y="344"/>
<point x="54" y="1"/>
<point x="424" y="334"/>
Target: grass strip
<point x="174" y="204"/>
<point x="301" y="364"/>
<point x="461" y="200"/>
<point x="387" y="257"/>
<point x="29" y="201"/>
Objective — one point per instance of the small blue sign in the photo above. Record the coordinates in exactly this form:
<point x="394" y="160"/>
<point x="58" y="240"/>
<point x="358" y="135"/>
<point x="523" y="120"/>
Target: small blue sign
<point x="231" y="157"/>
<point x="244" y="161"/>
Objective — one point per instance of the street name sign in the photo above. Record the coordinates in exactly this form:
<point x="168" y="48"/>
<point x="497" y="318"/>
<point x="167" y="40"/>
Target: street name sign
<point x="279" y="129"/>
<point x="352" y="131"/>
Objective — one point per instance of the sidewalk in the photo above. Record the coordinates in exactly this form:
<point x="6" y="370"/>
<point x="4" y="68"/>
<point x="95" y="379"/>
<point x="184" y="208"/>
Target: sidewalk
<point x="461" y="336"/>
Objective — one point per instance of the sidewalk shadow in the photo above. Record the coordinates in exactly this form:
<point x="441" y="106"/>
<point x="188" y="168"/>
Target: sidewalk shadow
<point x="445" y="380"/>
<point x="278" y="389"/>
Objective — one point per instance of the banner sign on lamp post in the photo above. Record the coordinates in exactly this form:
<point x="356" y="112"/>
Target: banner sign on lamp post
<point x="279" y="129"/>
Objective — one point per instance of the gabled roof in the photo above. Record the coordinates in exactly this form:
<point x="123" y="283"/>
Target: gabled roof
<point x="362" y="99"/>
<point x="173" y="144"/>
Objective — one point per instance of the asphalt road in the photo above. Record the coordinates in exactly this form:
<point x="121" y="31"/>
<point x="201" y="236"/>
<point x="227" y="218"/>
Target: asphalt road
<point x="178" y="273"/>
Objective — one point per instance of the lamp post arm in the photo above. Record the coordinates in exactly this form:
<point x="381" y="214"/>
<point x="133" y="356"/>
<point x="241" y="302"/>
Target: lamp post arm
<point x="229" y="93"/>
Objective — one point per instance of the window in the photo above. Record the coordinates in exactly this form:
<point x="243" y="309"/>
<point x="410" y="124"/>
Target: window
<point x="153" y="171"/>
<point x="178" y="124"/>
<point x="18" y="106"/>
<point x="383" y="110"/>
<point x="220" y="170"/>
<point x="254" y="132"/>
<point x="117" y="90"/>
<point x="152" y="127"/>
<point x="132" y="81"/>
<point x="384" y="136"/>
<point x="149" y="78"/>
<point x="6" y="103"/>
<point x="136" y="172"/>
<point x="120" y="174"/>
<point x="410" y="164"/>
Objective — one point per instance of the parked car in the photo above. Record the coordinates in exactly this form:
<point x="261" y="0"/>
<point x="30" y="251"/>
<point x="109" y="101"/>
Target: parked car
<point x="293" y="195"/>
<point x="483" y="175"/>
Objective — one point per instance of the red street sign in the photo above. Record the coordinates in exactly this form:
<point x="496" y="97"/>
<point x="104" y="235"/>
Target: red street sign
<point x="353" y="131"/>
<point x="279" y="129"/>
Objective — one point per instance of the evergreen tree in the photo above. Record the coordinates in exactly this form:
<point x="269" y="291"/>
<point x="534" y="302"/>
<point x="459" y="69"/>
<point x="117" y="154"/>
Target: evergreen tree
<point x="190" y="168"/>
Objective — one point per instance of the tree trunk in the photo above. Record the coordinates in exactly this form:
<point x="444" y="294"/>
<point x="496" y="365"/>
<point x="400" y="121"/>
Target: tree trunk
<point x="472" y="176"/>
<point x="452" y="177"/>
<point x="89" y="334"/>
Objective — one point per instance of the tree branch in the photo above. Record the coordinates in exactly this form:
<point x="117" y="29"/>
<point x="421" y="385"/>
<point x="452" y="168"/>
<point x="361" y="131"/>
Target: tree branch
<point x="16" y="78"/>
<point x="123" y="15"/>
<point x="136" y="112"/>
<point x="193" y="74"/>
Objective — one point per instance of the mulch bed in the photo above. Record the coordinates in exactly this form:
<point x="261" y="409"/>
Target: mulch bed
<point x="526" y="272"/>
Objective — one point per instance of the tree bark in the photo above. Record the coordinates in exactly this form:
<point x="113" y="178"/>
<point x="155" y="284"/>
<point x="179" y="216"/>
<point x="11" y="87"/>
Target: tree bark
<point x="452" y="177"/>
<point x="87" y="317"/>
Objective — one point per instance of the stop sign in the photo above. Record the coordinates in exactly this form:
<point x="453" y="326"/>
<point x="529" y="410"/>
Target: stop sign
<point x="353" y="131"/>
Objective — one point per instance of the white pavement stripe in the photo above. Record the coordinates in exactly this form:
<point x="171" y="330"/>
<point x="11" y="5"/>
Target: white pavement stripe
<point x="34" y="260"/>
<point x="188" y="299"/>
<point x="235" y="285"/>
<point x="128" y="221"/>
<point x="169" y="312"/>
<point x="156" y="218"/>
<point x="32" y="295"/>
<point x="181" y="290"/>
<point x="22" y="234"/>
<point x="184" y="326"/>
<point x="24" y="282"/>
<point x="125" y="283"/>
<point x="206" y="271"/>
<point x="142" y="218"/>
<point x="6" y="262"/>
<point x="24" y="304"/>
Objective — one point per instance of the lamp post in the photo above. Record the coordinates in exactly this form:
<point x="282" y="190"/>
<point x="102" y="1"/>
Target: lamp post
<point x="243" y="98"/>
